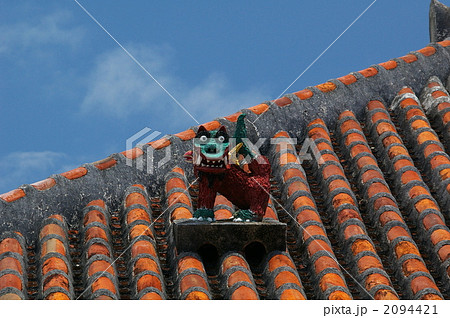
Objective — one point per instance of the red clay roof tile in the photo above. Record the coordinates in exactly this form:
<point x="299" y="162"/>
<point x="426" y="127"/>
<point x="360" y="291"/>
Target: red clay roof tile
<point x="105" y="163"/>
<point x="12" y="195"/>
<point x="409" y="58"/>
<point x="212" y="125"/>
<point x="133" y="153"/>
<point x="160" y="143"/>
<point x="75" y="173"/>
<point x="348" y="79"/>
<point x="244" y="293"/>
<point x="44" y="184"/>
<point x="369" y="72"/>
<point x="283" y="101"/>
<point x="405" y="90"/>
<point x="136" y="198"/>
<point x="231" y="261"/>
<point x="10" y="280"/>
<point x="304" y="94"/>
<point x="375" y="104"/>
<point x="427" y="51"/>
<point x="444" y="43"/>
<point x="233" y="118"/>
<point x="326" y="87"/>
<point x="186" y="135"/>
<point x="362" y="245"/>
<point x="10" y="263"/>
<point x="339" y="295"/>
<point x="259" y="109"/>
<point x="389" y="65"/>
<point x="291" y="294"/>
<point x="422" y="282"/>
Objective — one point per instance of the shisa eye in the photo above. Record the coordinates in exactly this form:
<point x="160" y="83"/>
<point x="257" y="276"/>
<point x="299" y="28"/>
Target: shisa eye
<point x="222" y="136"/>
<point x="203" y="138"/>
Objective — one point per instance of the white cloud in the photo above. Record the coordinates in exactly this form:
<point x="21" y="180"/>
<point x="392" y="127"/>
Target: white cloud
<point x="214" y="97"/>
<point x="27" y="167"/>
<point x="117" y="86"/>
<point x="52" y="29"/>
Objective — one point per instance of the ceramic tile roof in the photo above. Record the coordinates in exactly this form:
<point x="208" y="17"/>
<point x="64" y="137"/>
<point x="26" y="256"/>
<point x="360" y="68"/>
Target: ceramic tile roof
<point x="367" y="216"/>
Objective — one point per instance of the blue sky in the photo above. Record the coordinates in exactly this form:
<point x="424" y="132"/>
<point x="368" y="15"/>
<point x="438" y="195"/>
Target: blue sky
<point x="70" y="95"/>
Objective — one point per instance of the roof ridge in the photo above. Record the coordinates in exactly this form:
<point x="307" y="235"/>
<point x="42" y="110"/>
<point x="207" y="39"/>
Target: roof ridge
<point x="274" y="108"/>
